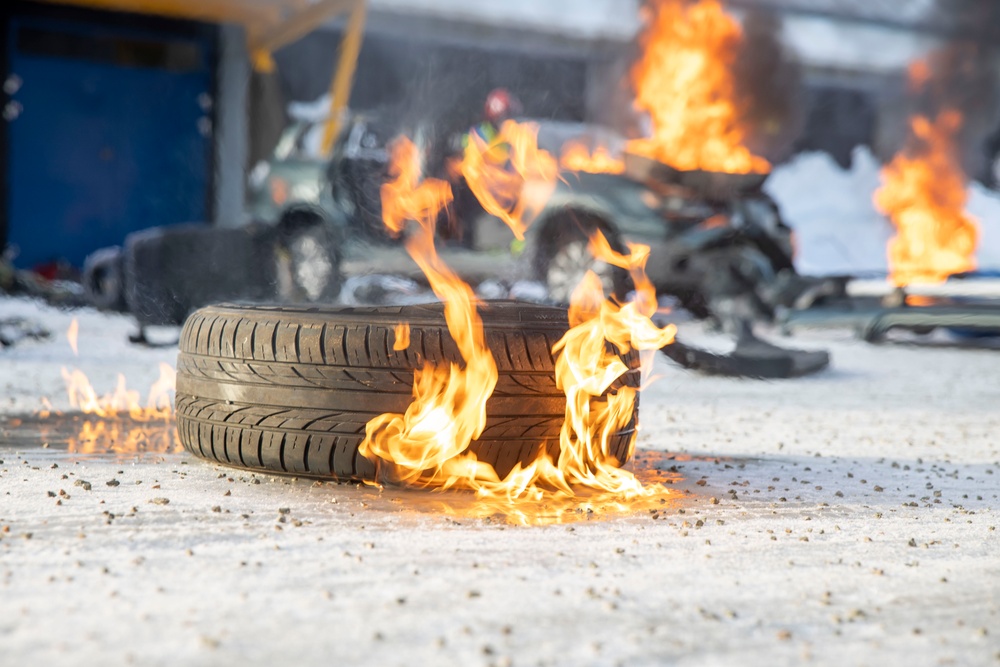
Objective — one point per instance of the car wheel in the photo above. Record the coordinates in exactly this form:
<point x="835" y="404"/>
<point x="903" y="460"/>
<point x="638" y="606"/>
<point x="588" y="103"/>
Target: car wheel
<point x="733" y="283"/>
<point x="308" y="265"/>
<point x="291" y="390"/>
<point x="564" y="258"/>
<point x="104" y="279"/>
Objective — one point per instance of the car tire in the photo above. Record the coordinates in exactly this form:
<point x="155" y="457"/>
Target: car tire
<point x="563" y="257"/>
<point x="307" y="259"/>
<point x="104" y="279"/>
<point x="170" y="271"/>
<point x="290" y="390"/>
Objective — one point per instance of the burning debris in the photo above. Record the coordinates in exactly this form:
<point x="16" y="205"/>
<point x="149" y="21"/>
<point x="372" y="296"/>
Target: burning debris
<point x="924" y="194"/>
<point x="684" y="80"/>
<point x="953" y="99"/>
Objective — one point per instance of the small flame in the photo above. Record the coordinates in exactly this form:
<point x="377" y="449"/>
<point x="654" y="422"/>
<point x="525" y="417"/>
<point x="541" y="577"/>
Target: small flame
<point x="72" y="334"/>
<point x="684" y="81"/>
<point x="428" y="445"/>
<point x="122" y="401"/>
<point x="47" y="409"/>
<point x="402" y="337"/>
<point x="123" y="422"/>
<point x="120" y="437"/>
<point x="924" y="194"/>
<point x="120" y="421"/>
<point x="498" y="172"/>
<point x="576" y="157"/>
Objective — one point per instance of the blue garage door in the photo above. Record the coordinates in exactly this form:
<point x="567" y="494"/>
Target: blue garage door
<point x="109" y="132"/>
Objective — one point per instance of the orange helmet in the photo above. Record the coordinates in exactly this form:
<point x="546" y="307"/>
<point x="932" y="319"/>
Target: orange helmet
<point x="500" y="105"/>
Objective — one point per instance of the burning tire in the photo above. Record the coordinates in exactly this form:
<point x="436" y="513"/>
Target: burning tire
<point x="290" y="390"/>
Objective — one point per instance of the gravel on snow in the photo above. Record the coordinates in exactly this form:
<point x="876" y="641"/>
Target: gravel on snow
<point x="848" y="518"/>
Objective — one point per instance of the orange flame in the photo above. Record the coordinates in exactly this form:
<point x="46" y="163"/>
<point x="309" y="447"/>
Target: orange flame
<point x="449" y="404"/>
<point x="72" y="334"/>
<point x="576" y="157"/>
<point x="684" y="81"/>
<point x="124" y="424"/>
<point x="428" y="444"/>
<point x="924" y="193"/>
<point x="918" y="74"/>
<point x="401" y="337"/>
<point x="122" y="421"/>
<point x="47" y="410"/>
<point x="122" y="401"/>
<point x="122" y="437"/>
<point x="510" y="176"/>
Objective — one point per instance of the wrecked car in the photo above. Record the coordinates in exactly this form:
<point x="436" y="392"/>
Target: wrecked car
<point x="717" y="240"/>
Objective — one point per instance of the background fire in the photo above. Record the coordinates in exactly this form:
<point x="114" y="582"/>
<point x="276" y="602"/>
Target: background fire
<point x="924" y="194"/>
<point x="684" y="81"/>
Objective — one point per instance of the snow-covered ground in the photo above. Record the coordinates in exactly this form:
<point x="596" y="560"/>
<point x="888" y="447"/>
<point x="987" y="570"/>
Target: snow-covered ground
<point x="837" y="228"/>
<point x="30" y="371"/>
<point x="848" y="518"/>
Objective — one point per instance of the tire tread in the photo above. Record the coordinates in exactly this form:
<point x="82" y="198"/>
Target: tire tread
<point x="276" y="354"/>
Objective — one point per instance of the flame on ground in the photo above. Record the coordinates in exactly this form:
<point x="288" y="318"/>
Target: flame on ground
<point x="924" y="194"/>
<point x="576" y="157"/>
<point x="684" y="81"/>
<point x="427" y="446"/>
<point x="119" y="421"/>
<point x="122" y="401"/>
<point x="120" y="436"/>
<point x="510" y="176"/>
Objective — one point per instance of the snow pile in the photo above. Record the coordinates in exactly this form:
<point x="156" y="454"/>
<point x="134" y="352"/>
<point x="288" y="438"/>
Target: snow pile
<point x="984" y="206"/>
<point x="836" y="225"/>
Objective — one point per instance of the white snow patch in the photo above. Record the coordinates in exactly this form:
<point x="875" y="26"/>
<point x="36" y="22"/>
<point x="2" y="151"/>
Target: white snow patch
<point x="984" y="205"/>
<point x="32" y="369"/>
<point x="837" y="228"/>
<point x="845" y="518"/>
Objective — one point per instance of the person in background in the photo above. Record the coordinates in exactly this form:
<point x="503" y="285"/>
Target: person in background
<point x="500" y="106"/>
